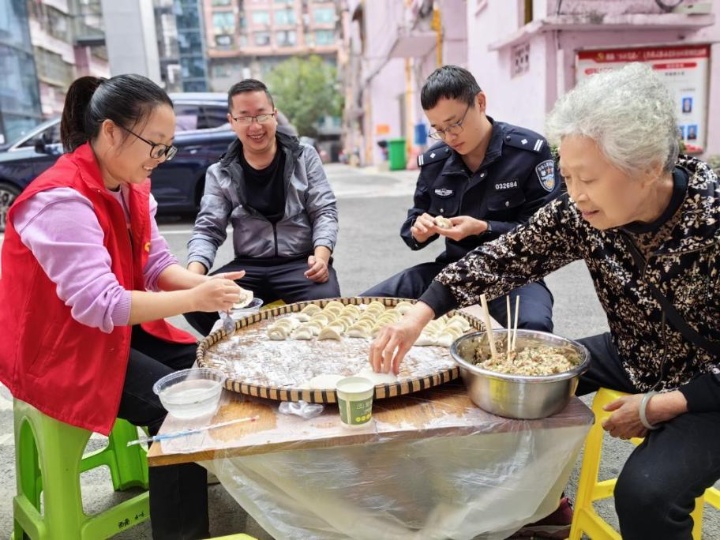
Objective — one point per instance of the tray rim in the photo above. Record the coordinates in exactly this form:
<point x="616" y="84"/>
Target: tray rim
<point x="382" y="390"/>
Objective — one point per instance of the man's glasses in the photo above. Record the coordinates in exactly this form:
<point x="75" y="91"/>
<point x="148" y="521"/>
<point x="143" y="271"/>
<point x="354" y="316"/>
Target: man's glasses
<point x="157" y="151"/>
<point x="452" y="129"/>
<point x="259" y="118"/>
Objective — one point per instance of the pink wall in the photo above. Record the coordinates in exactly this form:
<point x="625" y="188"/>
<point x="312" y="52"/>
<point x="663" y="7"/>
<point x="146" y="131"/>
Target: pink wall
<point x="494" y="30"/>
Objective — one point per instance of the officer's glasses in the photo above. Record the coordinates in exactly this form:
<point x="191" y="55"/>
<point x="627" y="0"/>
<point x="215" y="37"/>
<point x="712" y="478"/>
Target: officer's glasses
<point x="259" y="118"/>
<point x="452" y="129"/>
<point x="157" y="150"/>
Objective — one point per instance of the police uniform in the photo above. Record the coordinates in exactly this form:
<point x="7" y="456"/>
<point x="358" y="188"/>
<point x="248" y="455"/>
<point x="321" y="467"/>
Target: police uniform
<point x="516" y="178"/>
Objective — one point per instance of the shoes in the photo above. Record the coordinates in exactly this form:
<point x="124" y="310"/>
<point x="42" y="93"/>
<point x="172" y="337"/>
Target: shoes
<point x="555" y="526"/>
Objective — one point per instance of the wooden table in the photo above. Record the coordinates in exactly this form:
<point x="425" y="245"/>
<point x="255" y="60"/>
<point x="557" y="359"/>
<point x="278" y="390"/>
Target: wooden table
<point x="429" y="464"/>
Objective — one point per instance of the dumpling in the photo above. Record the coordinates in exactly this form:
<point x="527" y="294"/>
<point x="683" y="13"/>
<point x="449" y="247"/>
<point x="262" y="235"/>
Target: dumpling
<point x="425" y="340"/>
<point x="278" y="333"/>
<point x="443" y="222"/>
<point x="246" y="296"/>
<point x="303" y="333"/>
<point x="359" y="331"/>
<point x="403" y="307"/>
<point x="332" y="304"/>
<point x="329" y="333"/>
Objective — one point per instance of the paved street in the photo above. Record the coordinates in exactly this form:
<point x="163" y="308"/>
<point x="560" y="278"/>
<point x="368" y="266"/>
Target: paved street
<point x="372" y="206"/>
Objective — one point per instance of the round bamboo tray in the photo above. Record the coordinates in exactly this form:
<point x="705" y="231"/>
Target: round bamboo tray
<point x="248" y="344"/>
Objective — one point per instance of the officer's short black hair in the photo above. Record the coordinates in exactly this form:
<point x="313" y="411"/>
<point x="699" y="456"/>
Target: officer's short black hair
<point x="248" y="85"/>
<point x="449" y="82"/>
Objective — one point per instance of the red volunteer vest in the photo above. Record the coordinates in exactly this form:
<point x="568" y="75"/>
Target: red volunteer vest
<point x="66" y="369"/>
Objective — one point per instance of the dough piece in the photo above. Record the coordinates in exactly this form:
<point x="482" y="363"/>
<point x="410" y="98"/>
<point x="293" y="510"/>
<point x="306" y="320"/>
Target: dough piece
<point x="246" y="297"/>
<point x="329" y="333"/>
<point x="377" y="378"/>
<point x="443" y="222"/>
<point x="324" y="381"/>
<point x="376" y="305"/>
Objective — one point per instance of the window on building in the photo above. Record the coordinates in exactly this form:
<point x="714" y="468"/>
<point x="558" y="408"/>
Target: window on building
<point x="324" y="15"/>
<point x="223" y="22"/>
<point x="262" y="38"/>
<point x="261" y="17"/>
<point x="324" y="37"/>
<point x="221" y="2"/>
<point x="520" y="59"/>
<point x="285" y="16"/>
<point x="286" y="38"/>
<point x="224" y="41"/>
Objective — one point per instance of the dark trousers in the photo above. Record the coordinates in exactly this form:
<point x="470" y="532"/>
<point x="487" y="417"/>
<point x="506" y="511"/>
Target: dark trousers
<point x="536" y="300"/>
<point x="285" y="281"/>
<point x="657" y="487"/>
<point x="178" y="493"/>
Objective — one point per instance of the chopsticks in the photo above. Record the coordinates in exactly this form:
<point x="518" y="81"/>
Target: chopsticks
<point x="184" y="432"/>
<point x="488" y="326"/>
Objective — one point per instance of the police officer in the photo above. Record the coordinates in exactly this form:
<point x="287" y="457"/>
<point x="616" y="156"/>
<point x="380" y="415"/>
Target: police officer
<point x="486" y="177"/>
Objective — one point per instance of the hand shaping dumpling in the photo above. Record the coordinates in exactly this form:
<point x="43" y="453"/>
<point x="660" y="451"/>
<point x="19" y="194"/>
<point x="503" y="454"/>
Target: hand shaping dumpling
<point x="443" y="222"/>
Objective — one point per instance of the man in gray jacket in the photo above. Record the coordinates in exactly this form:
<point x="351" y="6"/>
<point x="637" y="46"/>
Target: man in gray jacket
<point x="274" y="191"/>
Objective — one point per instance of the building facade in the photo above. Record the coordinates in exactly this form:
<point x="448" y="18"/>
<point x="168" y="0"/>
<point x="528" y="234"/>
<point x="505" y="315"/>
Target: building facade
<point x="393" y="47"/>
<point x="247" y="38"/>
<point x="192" y="49"/>
<point x="19" y="94"/>
<point x="525" y="55"/>
<point x="68" y="42"/>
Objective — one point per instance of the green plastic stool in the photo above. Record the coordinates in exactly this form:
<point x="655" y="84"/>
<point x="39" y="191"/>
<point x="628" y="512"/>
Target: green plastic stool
<point x="49" y="459"/>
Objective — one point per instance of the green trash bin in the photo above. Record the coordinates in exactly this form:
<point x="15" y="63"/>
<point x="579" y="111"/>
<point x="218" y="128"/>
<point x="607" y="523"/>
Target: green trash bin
<point x="396" y="154"/>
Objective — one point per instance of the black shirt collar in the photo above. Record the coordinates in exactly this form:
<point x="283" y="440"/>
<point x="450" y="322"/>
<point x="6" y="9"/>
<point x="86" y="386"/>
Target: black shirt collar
<point x="680" y="183"/>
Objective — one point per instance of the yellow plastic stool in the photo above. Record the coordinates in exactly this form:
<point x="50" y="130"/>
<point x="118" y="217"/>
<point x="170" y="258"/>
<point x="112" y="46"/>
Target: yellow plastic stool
<point x="240" y="536"/>
<point x="271" y="305"/>
<point x="585" y="519"/>
<point x="48" y="461"/>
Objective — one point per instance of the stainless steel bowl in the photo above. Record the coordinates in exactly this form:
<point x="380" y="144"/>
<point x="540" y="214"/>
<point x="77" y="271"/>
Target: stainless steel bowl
<point x="518" y="396"/>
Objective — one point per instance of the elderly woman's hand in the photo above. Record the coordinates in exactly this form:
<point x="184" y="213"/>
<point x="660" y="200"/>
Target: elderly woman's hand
<point x="394" y="341"/>
<point x="624" y="422"/>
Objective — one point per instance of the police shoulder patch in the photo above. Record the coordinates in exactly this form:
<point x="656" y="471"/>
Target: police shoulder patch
<point x="436" y="153"/>
<point x="546" y="174"/>
<point x="530" y="141"/>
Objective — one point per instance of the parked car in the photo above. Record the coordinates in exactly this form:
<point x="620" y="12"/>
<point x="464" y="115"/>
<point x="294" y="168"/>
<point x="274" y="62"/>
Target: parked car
<point x="202" y="135"/>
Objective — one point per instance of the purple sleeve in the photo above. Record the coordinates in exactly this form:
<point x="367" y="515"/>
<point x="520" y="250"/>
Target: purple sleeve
<point x="59" y="226"/>
<point x="160" y="257"/>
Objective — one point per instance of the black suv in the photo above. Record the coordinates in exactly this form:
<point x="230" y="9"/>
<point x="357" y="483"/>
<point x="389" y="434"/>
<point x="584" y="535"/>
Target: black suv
<point x="202" y="136"/>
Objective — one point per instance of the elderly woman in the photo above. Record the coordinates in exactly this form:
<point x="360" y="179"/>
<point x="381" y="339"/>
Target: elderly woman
<point x="646" y="221"/>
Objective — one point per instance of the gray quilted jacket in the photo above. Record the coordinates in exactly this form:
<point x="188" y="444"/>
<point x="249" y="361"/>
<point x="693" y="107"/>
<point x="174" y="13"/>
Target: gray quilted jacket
<point x="310" y="218"/>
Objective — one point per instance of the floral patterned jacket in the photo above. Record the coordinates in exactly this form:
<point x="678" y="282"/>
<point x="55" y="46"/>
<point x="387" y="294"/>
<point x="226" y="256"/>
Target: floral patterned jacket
<point x="685" y="268"/>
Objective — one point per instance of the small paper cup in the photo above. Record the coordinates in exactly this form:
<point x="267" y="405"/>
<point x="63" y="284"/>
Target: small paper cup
<point x="355" y="397"/>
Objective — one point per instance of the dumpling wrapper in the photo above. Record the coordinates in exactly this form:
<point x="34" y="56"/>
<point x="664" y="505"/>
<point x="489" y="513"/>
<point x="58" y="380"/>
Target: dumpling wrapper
<point x="324" y="381"/>
<point x="377" y="378"/>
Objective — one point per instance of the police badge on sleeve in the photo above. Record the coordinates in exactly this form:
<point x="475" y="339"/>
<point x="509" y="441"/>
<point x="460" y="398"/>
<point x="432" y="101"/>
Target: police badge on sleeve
<point x="546" y="174"/>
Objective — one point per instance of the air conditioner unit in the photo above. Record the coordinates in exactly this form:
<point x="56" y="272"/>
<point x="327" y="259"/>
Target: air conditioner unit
<point x="694" y="7"/>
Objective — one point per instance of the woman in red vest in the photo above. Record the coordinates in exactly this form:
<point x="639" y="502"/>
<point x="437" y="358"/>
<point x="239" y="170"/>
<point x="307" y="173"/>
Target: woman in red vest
<point x="87" y="280"/>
